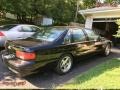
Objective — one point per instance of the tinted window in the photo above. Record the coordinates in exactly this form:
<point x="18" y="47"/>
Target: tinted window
<point x="48" y="34"/>
<point x="91" y="34"/>
<point x="78" y="35"/>
<point x="35" y="28"/>
<point x="7" y="27"/>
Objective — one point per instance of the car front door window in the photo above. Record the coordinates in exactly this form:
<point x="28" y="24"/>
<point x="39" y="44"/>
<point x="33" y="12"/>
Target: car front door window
<point x="27" y="29"/>
<point x="91" y="35"/>
<point x="35" y="29"/>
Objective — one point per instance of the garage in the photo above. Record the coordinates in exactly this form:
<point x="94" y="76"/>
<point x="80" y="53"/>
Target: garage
<point x="103" y="21"/>
<point x="106" y="28"/>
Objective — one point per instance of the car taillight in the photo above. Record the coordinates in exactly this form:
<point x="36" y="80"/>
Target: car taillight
<point x="1" y="34"/>
<point x="25" y="55"/>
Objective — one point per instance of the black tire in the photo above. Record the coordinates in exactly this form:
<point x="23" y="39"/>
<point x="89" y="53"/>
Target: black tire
<point x="60" y="69"/>
<point x="107" y="50"/>
<point x="1" y="53"/>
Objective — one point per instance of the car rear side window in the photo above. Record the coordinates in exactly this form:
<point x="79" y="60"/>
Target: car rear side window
<point x="91" y="34"/>
<point x="35" y="29"/>
<point x="78" y="35"/>
<point x="27" y="29"/>
<point x="67" y="38"/>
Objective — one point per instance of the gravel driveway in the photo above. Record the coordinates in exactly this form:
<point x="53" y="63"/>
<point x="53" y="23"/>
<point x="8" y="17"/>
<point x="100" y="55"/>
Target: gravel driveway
<point x="47" y="78"/>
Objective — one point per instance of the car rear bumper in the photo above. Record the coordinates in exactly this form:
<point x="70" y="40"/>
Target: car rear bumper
<point x="21" y="69"/>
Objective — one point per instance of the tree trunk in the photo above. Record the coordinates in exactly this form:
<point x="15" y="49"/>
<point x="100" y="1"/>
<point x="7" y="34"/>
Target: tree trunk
<point x="76" y="14"/>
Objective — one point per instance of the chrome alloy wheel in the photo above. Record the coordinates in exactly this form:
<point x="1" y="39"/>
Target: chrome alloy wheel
<point x="65" y="64"/>
<point x="107" y="50"/>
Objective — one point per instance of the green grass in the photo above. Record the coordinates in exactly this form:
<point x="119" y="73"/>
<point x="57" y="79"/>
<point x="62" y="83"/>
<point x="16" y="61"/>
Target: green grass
<point x="104" y="76"/>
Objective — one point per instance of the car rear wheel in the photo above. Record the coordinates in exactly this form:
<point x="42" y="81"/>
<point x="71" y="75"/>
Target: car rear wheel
<point x="64" y="64"/>
<point x="107" y="50"/>
<point x="2" y="53"/>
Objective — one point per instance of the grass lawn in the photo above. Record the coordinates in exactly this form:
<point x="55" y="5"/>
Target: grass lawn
<point x="104" y="76"/>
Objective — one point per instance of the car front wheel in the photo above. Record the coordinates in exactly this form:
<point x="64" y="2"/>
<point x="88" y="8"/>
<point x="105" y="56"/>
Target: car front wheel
<point x="2" y="53"/>
<point x="107" y="50"/>
<point x="64" y="64"/>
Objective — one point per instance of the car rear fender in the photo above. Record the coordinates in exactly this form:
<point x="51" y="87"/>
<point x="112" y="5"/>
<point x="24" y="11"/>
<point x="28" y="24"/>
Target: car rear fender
<point x="67" y="53"/>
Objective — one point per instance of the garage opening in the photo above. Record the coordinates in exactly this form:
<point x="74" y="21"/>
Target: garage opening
<point x="106" y="28"/>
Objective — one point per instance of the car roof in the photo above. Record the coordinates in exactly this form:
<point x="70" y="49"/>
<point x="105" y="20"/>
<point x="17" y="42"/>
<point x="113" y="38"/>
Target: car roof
<point x="68" y="27"/>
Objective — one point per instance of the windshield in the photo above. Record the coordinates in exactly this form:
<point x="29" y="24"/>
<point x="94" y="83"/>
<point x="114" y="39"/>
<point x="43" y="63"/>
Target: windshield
<point x="48" y="34"/>
<point x="7" y="27"/>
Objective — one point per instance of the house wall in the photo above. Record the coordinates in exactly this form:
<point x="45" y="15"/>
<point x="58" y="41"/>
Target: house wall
<point x="11" y="16"/>
<point x="47" y="21"/>
<point x="89" y="22"/>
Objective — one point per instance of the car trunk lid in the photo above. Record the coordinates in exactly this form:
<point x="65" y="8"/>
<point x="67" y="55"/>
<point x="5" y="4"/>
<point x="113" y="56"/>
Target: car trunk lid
<point x="23" y="45"/>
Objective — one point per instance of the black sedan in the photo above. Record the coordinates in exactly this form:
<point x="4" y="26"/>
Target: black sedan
<point x="58" y="45"/>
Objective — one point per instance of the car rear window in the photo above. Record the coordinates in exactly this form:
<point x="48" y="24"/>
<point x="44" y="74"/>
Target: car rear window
<point x="6" y="27"/>
<point x="48" y="34"/>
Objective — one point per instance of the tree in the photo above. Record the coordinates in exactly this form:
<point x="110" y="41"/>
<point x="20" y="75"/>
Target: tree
<point x="118" y="32"/>
<point x="62" y="11"/>
<point x="89" y="4"/>
<point x="2" y="8"/>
